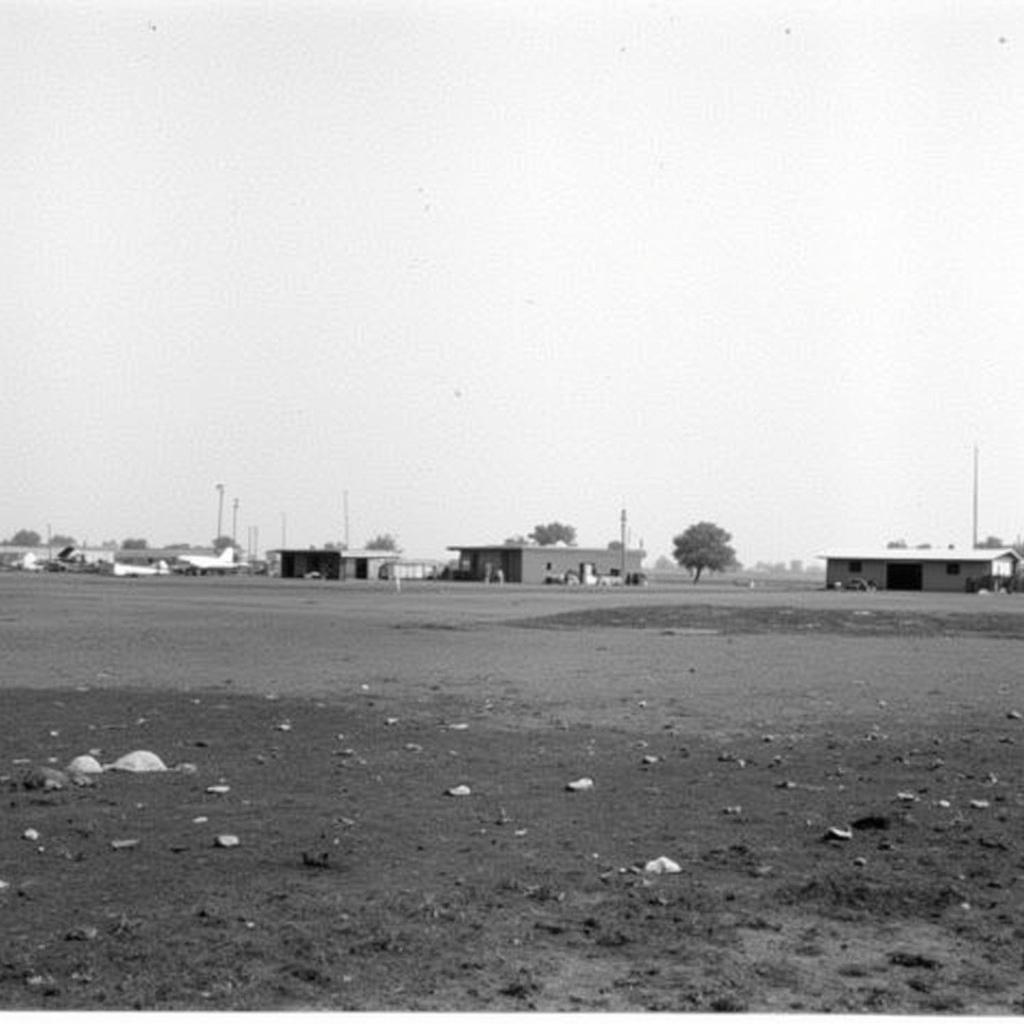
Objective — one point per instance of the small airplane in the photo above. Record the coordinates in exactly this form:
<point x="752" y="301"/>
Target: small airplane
<point x="29" y="562"/>
<point x="200" y="565"/>
<point x="127" y="569"/>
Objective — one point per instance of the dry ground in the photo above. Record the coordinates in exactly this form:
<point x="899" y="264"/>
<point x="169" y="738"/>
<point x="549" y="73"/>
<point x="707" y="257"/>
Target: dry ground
<point x="331" y="712"/>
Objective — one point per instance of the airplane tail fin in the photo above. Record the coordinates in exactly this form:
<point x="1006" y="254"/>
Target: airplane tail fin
<point x="227" y="556"/>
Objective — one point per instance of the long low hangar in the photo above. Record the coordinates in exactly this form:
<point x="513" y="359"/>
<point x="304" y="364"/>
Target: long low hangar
<point x="534" y="563"/>
<point x="332" y="564"/>
<point x="936" y="569"/>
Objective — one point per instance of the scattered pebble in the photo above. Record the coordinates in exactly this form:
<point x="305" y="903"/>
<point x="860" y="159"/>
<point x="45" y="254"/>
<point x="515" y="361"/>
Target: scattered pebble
<point x="391" y="721"/>
<point x="284" y="727"/>
<point x="414" y="748"/>
<point x="218" y="790"/>
<point x="1014" y="714"/>
<point x="84" y="934"/>
<point x="227" y="841"/>
<point x="30" y="834"/>
<point x="459" y="726"/>
<point x="201" y="820"/>
<point x="979" y="805"/>
<point x="650" y="759"/>
<point x="124" y="844"/>
<point x="907" y="798"/>
<point x="580" y="785"/>
<point x="732" y="810"/>
<point x="458" y="791"/>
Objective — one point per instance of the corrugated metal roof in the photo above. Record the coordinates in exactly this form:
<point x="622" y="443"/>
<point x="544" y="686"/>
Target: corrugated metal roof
<point x="540" y="547"/>
<point x="919" y="554"/>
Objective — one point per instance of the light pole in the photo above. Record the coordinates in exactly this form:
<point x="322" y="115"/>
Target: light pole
<point x="220" y="509"/>
<point x="622" y="550"/>
<point x="234" y="523"/>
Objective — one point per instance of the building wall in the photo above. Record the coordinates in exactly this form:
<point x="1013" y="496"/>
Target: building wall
<point x="936" y="576"/>
<point x="540" y="564"/>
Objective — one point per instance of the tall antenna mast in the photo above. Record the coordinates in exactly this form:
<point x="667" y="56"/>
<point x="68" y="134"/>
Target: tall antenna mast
<point x="622" y="550"/>
<point x="974" y="527"/>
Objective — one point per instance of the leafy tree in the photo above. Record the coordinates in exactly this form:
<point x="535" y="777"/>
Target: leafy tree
<point x="896" y="545"/>
<point x="552" y="533"/>
<point x="517" y="539"/>
<point x="134" y="544"/>
<point x="615" y="545"/>
<point x="382" y="542"/>
<point x="992" y="542"/>
<point x="62" y="540"/>
<point x="222" y="542"/>
<point x="27" y="539"/>
<point x="704" y="546"/>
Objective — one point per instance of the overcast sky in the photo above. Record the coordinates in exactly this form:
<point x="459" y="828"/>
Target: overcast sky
<point x="486" y="265"/>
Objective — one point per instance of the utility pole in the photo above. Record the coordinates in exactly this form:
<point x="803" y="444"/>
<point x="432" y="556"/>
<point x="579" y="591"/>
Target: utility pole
<point x="622" y="550"/>
<point x="220" y="509"/>
<point x="974" y="520"/>
<point x="234" y="524"/>
<point x="345" y="504"/>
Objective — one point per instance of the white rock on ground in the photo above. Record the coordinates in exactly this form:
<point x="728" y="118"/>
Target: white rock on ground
<point x="662" y="866"/>
<point x="84" y="764"/>
<point x="580" y="785"/>
<point x="138" y="761"/>
<point x="459" y="791"/>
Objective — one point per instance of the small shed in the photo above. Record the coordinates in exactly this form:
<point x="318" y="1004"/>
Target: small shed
<point x="332" y="564"/>
<point x="951" y="570"/>
<point x="554" y="563"/>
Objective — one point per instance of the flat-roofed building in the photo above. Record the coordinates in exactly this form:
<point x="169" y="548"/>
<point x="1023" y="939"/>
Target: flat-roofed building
<point x="933" y="569"/>
<point x="331" y="563"/>
<point x="549" y="563"/>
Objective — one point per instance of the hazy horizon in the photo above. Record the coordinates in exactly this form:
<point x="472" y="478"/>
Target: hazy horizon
<point x="487" y="265"/>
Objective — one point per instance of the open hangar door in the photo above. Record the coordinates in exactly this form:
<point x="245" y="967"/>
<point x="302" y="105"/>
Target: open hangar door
<point x="903" y="575"/>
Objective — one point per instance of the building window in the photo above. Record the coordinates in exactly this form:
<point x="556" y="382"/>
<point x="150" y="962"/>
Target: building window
<point x="952" y="568"/>
<point x="856" y="566"/>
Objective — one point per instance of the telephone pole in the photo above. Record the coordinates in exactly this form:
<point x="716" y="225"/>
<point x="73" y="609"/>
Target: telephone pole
<point x="622" y="550"/>
<point x="974" y="521"/>
<point x="220" y="509"/>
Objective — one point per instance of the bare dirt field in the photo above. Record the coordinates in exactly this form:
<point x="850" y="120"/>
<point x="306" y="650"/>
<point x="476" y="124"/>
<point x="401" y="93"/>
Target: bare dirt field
<point x="837" y="776"/>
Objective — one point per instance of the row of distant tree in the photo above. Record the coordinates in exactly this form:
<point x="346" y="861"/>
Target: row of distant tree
<point x="989" y="542"/>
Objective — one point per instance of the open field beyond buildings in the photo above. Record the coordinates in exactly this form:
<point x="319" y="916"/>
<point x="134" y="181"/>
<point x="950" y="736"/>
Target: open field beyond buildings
<point x="727" y="730"/>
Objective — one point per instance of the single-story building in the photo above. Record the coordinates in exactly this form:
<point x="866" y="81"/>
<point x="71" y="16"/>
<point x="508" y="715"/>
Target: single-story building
<point x="934" y="569"/>
<point x="554" y="563"/>
<point x="331" y="564"/>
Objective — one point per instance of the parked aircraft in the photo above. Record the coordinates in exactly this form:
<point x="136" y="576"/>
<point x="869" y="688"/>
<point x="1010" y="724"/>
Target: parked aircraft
<point x="199" y="565"/>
